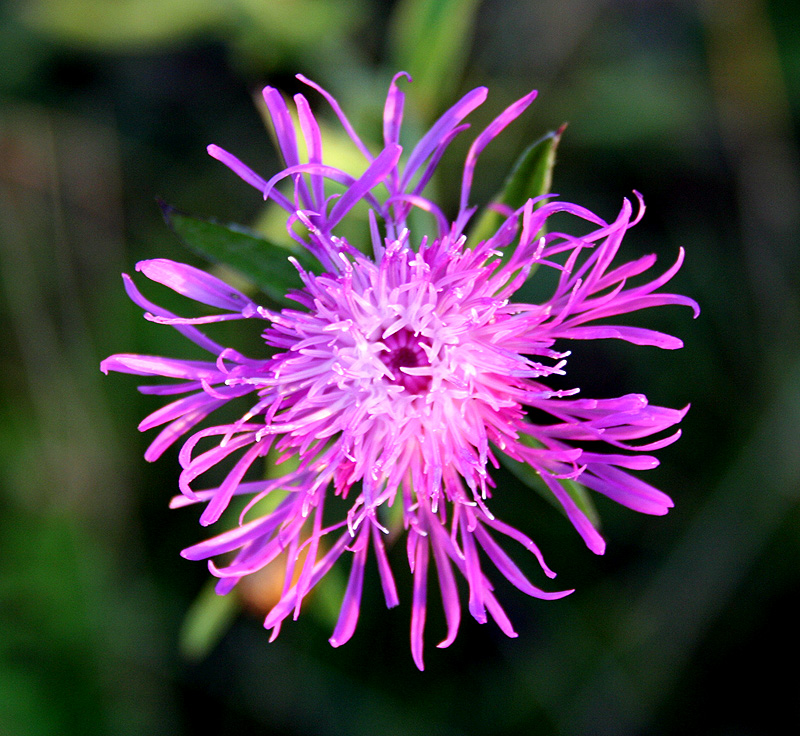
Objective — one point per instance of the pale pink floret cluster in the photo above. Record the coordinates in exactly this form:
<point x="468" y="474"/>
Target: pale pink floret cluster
<point x="400" y="378"/>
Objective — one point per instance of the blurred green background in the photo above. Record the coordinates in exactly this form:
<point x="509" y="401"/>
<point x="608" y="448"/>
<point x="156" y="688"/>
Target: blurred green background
<point x="682" y="627"/>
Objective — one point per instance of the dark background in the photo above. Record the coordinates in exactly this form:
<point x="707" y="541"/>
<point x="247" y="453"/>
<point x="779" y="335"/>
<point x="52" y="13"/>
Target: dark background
<point x="684" y="626"/>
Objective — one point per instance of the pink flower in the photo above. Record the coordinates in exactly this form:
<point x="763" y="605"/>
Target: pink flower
<point x="401" y="377"/>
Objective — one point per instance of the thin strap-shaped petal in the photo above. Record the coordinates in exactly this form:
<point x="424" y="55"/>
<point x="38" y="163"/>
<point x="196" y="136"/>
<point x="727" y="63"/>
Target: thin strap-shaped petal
<point x="510" y="570"/>
<point x="176" y="429"/>
<point x="635" y="335"/>
<point x="192" y="333"/>
<point x="339" y="114"/>
<point x="194" y="283"/>
<point x="313" y="138"/>
<point x="220" y="501"/>
<point x="153" y="365"/>
<point x="393" y="111"/>
<point x="284" y="607"/>
<point x="234" y="538"/>
<point x="287" y="136"/>
<point x="348" y="614"/>
<point x="448" y="588"/>
<point x="579" y="520"/>
<point x="474" y="576"/>
<point x="431" y="140"/>
<point x="384" y="570"/>
<point x="376" y="172"/>
<point x="512" y="112"/>
<point x="234" y="164"/>
<point x="419" y="600"/>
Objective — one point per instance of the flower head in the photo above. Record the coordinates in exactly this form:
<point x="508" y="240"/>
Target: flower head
<point x="402" y="377"/>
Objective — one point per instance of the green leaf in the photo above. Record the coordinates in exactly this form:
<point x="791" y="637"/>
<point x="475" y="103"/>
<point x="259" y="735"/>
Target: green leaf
<point x="430" y="39"/>
<point x="531" y="176"/>
<point x="260" y="261"/>
<point x="206" y="621"/>
<point x="532" y="479"/>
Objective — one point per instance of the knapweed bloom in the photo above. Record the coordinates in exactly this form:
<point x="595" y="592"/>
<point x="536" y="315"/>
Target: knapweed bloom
<point x="402" y="376"/>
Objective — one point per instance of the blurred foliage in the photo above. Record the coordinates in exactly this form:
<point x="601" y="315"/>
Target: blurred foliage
<point x="105" y="106"/>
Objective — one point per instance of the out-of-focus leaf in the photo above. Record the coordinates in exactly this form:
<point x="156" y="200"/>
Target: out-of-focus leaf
<point x="142" y="23"/>
<point x="300" y="22"/>
<point x="260" y="261"/>
<point x="533" y="480"/>
<point x="430" y="40"/>
<point x="122" y="22"/>
<point x="531" y="176"/>
<point x="206" y="621"/>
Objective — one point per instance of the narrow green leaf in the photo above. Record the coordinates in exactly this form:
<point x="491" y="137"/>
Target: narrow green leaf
<point x="531" y="176"/>
<point x="430" y="39"/>
<point x="260" y="261"/>
<point x="206" y="621"/>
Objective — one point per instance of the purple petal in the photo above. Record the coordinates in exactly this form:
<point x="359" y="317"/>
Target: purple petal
<point x="348" y="614"/>
<point x="340" y="114"/>
<point x="376" y="172"/>
<point x="510" y="570"/>
<point x="440" y="129"/>
<point x="579" y="520"/>
<point x="220" y="501"/>
<point x="313" y="139"/>
<point x="194" y="283"/>
<point x="627" y="490"/>
<point x="186" y="330"/>
<point x="474" y="576"/>
<point x="636" y="335"/>
<point x="447" y="586"/>
<point x="419" y="601"/>
<point x="176" y="429"/>
<point x="235" y="165"/>
<point x="385" y="572"/>
<point x="234" y="538"/>
<point x="512" y="112"/>
<point x="284" y="607"/>
<point x="152" y="365"/>
<point x="393" y="111"/>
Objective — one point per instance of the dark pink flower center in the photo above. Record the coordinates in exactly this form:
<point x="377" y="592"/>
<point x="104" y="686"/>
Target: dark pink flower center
<point x="405" y="352"/>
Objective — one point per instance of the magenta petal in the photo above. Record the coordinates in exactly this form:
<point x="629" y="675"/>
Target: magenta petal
<point x="177" y="429"/>
<point x="387" y="579"/>
<point x="230" y="540"/>
<point x="187" y="330"/>
<point x="282" y="124"/>
<point x="419" y="601"/>
<point x="311" y="133"/>
<point x="377" y="171"/>
<point x="284" y="607"/>
<point x="627" y="490"/>
<point x="512" y="112"/>
<point x="441" y="128"/>
<point x="238" y="168"/>
<point x="447" y="586"/>
<point x="579" y="520"/>
<point x="509" y="569"/>
<point x="194" y="283"/>
<point x="220" y="501"/>
<point x="348" y="614"/>
<point x="474" y="577"/>
<point x="149" y="365"/>
<point x="393" y="111"/>
<point x="499" y="615"/>
<point x="636" y="335"/>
